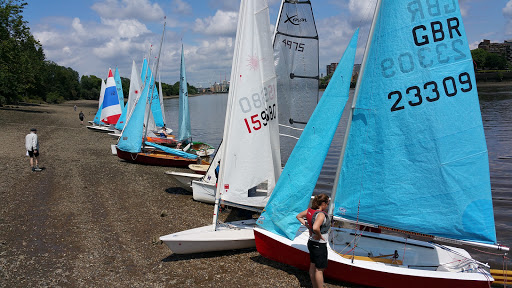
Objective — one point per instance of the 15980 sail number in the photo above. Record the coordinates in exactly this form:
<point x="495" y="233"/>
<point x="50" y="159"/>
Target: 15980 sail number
<point x="267" y="115"/>
<point x="432" y="91"/>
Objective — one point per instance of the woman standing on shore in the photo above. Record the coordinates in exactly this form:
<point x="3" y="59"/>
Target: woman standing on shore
<point x="318" y="224"/>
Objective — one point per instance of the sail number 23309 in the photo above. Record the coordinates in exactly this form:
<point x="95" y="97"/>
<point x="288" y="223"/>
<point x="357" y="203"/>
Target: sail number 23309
<point x="431" y="91"/>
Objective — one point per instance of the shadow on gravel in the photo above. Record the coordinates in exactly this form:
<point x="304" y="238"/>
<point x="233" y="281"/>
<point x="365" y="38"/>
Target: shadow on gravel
<point x="177" y="191"/>
<point x="206" y="255"/>
<point x="22" y="110"/>
<point x="302" y="276"/>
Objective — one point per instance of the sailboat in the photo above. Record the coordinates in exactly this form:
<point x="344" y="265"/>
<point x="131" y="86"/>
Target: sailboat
<point x="185" y="132"/>
<point x="110" y="109"/>
<point x="295" y="47"/>
<point x="133" y="94"/>
<point x="132" y="143"/>
<point x="414" y="162"/>
<point x="251" y="138"/>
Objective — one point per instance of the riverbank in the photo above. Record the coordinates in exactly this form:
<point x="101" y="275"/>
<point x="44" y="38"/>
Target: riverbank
<point x="90" y="219"/>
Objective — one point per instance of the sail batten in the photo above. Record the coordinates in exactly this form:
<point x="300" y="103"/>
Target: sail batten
<point x="296" y="53"/>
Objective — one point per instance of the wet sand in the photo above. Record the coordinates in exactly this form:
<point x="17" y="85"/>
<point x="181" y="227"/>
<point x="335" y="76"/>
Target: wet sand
<point x="90" y="219"/>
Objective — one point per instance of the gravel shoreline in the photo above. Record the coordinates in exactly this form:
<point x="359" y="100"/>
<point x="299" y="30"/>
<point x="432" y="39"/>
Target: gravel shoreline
<point x="90" y="219"/>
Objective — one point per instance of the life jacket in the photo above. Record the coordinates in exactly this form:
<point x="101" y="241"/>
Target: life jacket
<point x="311" y="217"/>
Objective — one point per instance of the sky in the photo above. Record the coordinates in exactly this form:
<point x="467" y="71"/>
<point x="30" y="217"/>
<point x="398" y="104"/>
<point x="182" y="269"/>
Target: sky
<point x="90" y="36"/>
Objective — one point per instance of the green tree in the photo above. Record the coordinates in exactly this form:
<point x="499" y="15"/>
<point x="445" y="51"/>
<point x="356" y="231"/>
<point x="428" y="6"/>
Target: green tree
<point x="495" y="61"/>
<point x="90" y="87"/>
<point x="479" y="57"/>
<point x="62" y="81"/>
<point x="21" y="56"/>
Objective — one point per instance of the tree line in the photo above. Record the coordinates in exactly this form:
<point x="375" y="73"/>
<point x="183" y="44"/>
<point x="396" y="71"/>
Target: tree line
<point x="488" y="61"/>
<point x="27" y="76"/>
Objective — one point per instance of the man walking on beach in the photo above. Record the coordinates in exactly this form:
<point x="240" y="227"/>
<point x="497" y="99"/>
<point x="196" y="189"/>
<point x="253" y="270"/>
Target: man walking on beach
<point x="32" y="146"/>
<point x="81" y="116"/>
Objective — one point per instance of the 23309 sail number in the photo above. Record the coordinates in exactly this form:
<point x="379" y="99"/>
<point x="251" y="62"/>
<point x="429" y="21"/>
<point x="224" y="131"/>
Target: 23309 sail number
<point x="431" y="91"/>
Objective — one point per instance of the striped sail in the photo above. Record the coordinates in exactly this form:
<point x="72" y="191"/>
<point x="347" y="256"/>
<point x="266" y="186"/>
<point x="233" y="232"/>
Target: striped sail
<point x="111" y="110"/>
<point x="416" y="157"/>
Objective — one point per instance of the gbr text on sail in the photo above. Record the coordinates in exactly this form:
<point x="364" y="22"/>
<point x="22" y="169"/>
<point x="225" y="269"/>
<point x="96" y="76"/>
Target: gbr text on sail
<point x="437" y="38"/>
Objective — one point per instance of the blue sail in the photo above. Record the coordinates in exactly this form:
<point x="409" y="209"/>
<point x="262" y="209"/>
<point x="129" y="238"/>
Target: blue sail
<point x="119" y="88"/>
<point x="144" y="71"/>
<point x="295" y="185"/>
<point x="172" y="151"/>
<point x="97" y="117"/>
<point x="131" y="139"/>
<point x="416" y="157"/>
<point x="184" y="120"/>
<point x="149" y="80"/>
<point x="120" y="123"/>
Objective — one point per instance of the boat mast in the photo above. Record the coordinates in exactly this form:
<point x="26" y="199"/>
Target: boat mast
<point x="353" y="107"/>
<point x="277" y="23"/>
<point x="232" y="89"/>
<point x="153" y="87"/>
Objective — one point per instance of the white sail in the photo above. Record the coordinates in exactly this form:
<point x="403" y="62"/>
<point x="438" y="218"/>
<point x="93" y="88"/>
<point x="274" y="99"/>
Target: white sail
<point x="135" y="91"/>
<point x="102" y="93"/>
<point x="251" y="142"/>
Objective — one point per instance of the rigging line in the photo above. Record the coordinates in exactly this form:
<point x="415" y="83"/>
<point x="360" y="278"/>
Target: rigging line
<point x="300" y="37"/>
<point x="292" y="76"/>
<point x="290" y="136"/>
<point x="458" y="254"/>
<point x="300" y="129"/>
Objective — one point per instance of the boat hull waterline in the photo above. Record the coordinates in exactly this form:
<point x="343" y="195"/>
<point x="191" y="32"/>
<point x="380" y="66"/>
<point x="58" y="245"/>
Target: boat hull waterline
<point x="228" y="236"/>
<point x="361" y="272"/>
<point x="184" y="179"/>
<point x="155" y="158"/>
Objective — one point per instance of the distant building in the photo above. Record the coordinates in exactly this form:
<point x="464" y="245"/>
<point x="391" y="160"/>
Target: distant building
<point x="504" y="49"/>
<point x="331" y="68"/>
<point x="355" y="73"/>
<point x="220" y="87"/>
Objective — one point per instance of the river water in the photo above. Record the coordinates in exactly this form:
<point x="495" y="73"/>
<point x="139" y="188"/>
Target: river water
<point x="207" y="122"/>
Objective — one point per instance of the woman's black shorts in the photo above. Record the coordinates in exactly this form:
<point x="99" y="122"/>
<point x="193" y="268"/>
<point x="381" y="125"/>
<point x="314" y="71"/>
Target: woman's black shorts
<point x="318" y="254"/>
<point x="32" y="154"/>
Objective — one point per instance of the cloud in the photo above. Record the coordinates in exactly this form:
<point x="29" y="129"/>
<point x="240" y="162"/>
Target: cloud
<point x="126" y="9"/>
<point x="507" y="12"/>
<point x="362" y="10"/>
<point x="221" y="24"/>
<point x="181" y="7"/>
<point x="131" y="28"/>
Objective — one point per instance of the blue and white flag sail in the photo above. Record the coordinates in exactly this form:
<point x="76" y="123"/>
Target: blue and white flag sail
<point x="184" y="120"/>
<point x="416" y="157"/>
<point x="295" y="186"/>
<point x="111" y="110"/>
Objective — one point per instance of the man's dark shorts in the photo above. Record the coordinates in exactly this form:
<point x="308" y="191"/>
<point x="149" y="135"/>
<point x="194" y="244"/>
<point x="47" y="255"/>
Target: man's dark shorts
<point x="32" y="153"/>
<point x="318" y="254"/>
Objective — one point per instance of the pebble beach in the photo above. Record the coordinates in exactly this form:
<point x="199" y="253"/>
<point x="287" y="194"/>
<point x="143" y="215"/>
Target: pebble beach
<point x="90" y="219"/>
